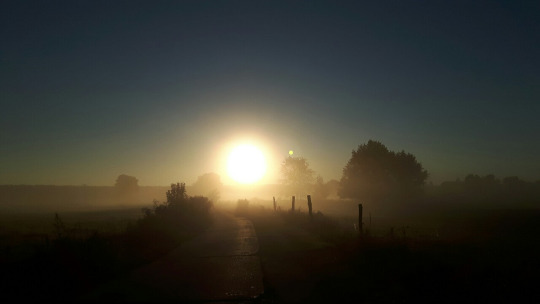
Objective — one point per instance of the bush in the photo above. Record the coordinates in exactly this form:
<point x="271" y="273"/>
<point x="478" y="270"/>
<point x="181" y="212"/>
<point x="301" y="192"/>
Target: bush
<point x="78" y="259"/>
<point x="166" y="224"/>
<point x="242" y="206"/>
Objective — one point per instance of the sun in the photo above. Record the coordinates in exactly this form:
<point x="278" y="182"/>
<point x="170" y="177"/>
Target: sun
<point x="246" y="164"/>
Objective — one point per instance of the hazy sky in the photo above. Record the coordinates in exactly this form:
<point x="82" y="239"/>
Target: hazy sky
<point x="160" y="89"/>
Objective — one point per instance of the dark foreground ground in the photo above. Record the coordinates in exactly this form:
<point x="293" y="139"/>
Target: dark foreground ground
<point x="491" y="259"/>
<point x="480" y="256"/>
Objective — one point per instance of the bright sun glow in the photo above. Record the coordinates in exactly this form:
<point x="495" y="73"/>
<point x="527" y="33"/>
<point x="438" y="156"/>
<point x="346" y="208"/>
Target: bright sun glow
<point x="246" y="164"/>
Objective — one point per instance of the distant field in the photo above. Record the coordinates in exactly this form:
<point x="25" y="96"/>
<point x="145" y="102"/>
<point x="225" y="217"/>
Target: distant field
<point x="426" y="221"/>
<point x="42" y="222"/>
<point x="31" y="209"/>
<point x="310" y="259"/>
<point x="43" y="199"/>
<point x="22" y="234"/>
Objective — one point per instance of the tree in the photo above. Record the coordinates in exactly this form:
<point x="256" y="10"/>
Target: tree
<point x="320" y="189"/>
<point x="126" y="184"/>
<point x="177" y="195"/>
<point x="375" y="174"/>
<point x="325" y="190"/>
<point x="332" y="186"/>
<point x="209" y="185"/>
<point x="297" y="176"/>
<point x="167" y="223"/>
<point x="179" y="206"/>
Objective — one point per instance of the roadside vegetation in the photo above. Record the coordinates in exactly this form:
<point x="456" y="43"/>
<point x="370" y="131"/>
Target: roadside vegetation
<point x="73" y="259"/>
<point x="473" y="239"/>
<point x="485" y="256"/>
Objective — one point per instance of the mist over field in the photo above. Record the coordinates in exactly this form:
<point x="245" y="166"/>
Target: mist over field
<point x="381" y="212"/>
<point x="269" y="151"/>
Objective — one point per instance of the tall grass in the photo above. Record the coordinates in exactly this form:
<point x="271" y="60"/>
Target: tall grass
<point x="74" y="259"/>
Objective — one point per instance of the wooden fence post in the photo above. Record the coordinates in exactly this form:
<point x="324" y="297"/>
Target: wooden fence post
<point x="273" y="197"/>
<point x="293" y="203"/>
<point x="360" y="218"/>
<point x="309" y="204"/>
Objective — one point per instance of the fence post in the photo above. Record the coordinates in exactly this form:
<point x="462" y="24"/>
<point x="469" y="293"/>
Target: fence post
<point x="273" y="197"/>
<point x="309" y="204"/>
<point x="360" y="219"/>
<point x="293" y="203"/>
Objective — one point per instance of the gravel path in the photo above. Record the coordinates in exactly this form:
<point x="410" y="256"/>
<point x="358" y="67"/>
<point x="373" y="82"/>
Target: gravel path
<point x="220" y="265"/>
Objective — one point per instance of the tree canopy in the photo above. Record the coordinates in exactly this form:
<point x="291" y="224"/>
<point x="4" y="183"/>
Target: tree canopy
<point x="297" y="177"/>
<point x="375" y="174"/>
<point x="126" y="184"/>
<point x="320" y="189"/>
<point x="476" y="190"/>
<point x="209" y="185"/>
<point x="323" y="190"/>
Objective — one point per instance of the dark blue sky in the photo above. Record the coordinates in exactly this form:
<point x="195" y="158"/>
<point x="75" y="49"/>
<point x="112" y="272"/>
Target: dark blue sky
<point x="157" y="89"/>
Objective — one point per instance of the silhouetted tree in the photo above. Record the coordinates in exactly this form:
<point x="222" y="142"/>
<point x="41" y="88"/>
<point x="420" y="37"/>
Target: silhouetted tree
<point x="177" y="195"/>
<point x="166" y="224"/>
<point x="332" y="187"/>
<point x="126" y="184"/>
<point x="242" y="206"/>
<point x="209" y="185"/>
<point x="375" y="174"/>
<point x="59" y="226"/>
<point x="481" y="188"/>
<point x="320" y="189"/>
<point x="476" y="190"/>
<point x="180" y="210"/>
<point x="514" y="184"/>
<point x="297" y="176"/>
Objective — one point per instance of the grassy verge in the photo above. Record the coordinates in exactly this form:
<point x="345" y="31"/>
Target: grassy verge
<point x="317" y="261"/>
<point x="72" y="260"/>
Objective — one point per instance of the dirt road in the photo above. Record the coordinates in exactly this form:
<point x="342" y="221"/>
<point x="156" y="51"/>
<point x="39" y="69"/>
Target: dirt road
<point x="219" y="265"/>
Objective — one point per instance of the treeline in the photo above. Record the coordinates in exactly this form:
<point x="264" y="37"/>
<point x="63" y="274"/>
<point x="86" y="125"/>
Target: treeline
<point x="44" y="198"/>
<point x="486" y="191"/>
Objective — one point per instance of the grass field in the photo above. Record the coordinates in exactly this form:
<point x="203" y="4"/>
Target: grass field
<point x="490" y="257"/>
<point x="483" y="255"/>
<point x="63" y="256"/>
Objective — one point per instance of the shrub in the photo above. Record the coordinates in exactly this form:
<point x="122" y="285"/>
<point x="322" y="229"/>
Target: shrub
<point x="242" y="206"/>
<point x="166" y="224"/>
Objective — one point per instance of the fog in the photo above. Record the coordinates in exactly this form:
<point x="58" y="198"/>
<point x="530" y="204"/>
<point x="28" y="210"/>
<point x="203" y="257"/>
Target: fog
<point x="284" y="230"/>
<point x="269" y="151"/>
